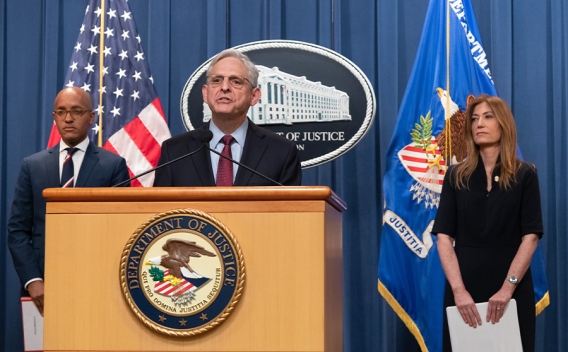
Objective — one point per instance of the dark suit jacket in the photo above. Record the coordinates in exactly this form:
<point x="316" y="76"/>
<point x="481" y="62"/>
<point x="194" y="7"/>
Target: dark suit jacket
<point x="26" y="226"/>
<point x="266" y="152"/>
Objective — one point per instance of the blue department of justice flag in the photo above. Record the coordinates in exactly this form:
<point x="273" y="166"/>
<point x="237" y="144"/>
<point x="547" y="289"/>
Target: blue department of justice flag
<point x="450" y="66"/>
<point x="129" y="119"/>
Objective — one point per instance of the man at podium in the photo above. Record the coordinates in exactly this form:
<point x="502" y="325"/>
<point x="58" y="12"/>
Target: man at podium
<point x="230" y="90"/>
<point x="74" y="162"/>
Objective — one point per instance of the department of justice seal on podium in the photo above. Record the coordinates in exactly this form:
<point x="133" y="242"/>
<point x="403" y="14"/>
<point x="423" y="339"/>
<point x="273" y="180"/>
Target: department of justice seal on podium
<point x="182" y="272"/>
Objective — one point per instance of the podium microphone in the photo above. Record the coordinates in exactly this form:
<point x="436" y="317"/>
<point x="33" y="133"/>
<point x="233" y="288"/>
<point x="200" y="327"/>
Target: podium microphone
<point x="205" y="137"/>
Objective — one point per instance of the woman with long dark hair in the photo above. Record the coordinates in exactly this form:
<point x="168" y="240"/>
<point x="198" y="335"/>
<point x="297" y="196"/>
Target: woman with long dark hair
<point x="489" y="223"/>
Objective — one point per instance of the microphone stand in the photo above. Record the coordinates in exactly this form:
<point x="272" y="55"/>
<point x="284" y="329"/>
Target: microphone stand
<point x="160" y="166"/>
<point x="246" y="167"/>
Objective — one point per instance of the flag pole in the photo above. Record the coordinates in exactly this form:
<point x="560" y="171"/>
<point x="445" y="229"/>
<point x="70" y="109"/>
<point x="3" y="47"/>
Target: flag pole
<point x="448" y="151"/>
<point x="101" y="72"/>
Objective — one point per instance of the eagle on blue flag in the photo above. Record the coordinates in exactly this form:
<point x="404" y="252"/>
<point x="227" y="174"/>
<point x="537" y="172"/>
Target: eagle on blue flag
<point x="450" y="68"/>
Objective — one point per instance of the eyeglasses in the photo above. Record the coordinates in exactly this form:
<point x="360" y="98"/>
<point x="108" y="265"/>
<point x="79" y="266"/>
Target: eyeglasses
<point x="75" y="113"/>
<point x="236" y="82"/>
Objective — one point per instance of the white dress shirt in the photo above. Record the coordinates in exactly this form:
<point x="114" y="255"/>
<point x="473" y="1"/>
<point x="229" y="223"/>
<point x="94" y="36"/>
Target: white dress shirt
<point x="77" y="157"/>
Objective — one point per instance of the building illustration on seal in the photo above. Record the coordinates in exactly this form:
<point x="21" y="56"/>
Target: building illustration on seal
<point x="288" y="99"/>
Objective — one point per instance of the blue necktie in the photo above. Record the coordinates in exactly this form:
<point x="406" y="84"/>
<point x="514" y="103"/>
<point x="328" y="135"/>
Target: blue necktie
<point x="67" y="174"/>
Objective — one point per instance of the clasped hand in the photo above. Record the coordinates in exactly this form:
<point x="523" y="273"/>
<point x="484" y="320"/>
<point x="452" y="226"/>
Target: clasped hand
<point x="495" y="309"/>
<point x="497" y="304"/>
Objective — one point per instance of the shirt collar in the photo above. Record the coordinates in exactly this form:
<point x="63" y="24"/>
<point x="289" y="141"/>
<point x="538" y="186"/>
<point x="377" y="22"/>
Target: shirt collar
<point x="239" y="135"/>
<point x="81" y="146"/>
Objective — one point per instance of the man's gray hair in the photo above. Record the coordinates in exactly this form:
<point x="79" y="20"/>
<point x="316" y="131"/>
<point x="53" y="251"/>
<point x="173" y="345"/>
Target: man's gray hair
<point x="251" y="68"/>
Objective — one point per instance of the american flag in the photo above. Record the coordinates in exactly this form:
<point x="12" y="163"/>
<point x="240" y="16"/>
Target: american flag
<point x="130" y="117"/>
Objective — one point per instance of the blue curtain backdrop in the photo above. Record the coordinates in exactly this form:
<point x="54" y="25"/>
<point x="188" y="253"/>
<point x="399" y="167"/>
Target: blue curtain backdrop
<point x="527" y="46"/>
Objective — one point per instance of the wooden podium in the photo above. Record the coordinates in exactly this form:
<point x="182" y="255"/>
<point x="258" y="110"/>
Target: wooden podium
<point x="291" y="243"/>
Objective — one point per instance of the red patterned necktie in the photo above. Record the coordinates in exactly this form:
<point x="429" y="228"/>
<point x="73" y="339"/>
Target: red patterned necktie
<point x="67" y="173"/>
<point x="225" y="167"/>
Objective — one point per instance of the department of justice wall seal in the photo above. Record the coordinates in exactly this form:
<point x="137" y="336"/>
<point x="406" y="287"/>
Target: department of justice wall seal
<point x="182" y="272"/>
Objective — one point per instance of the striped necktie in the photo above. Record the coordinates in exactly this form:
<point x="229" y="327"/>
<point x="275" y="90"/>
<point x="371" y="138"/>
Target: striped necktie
<point x="225" y="167"/>
<point x="68" y="172"/>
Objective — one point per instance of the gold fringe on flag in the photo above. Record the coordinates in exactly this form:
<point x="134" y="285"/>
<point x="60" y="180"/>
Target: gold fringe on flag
<point x="403" y="316"/>
<point x="543" y="303"/>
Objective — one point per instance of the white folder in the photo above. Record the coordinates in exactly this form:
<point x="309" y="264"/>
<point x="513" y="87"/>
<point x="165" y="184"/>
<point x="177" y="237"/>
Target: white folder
<point x="503" y="336"/>
<point x="33" y="326"/>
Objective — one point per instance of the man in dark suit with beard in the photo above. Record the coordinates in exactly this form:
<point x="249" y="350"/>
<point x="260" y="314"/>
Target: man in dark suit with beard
<point x="74" y="162"/>
<point x="230" y="90"/>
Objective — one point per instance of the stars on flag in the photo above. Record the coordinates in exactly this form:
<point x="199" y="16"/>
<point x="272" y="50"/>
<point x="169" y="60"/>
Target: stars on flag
<point x="125" y="16"/>
<point x="92" y="49"/>
<point x="109" y="32"/>
<point x="118" y="92"/>
<point x="139" y="56"/>
<point x="85" y="60"/>
<point x="99" y="108"/>
<point x="121" y="73"/>
<point x="111" y="13"/>
<point x="120" y="84"/>
<point x="115" y="111"/>
<point x="95" y="30"/>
